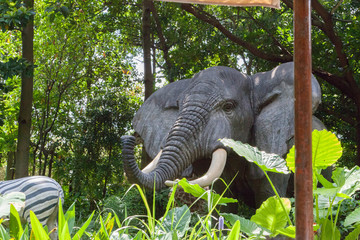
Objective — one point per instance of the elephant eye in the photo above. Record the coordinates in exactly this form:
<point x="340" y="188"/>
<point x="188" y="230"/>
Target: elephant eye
<point x="229" y="106"/>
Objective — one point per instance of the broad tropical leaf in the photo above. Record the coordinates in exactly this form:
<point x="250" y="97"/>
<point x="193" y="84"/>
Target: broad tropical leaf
<point x="326" y="150"/>
<point x="353" y="217"/>
<point x="328" y="232"/>
<point x="289" y="231"/>
<point x="266" y="161"/>
<point x="197" y="191"/>
<point x="354" y="235"/>
<point x="271" y="216"/>
<point x="246" y="226"/>
<point x="177" y="219"/>
<point x="347" y="183"/>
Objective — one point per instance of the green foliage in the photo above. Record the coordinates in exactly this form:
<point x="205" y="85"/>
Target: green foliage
<point x="37" y="229"/>
<point x="271" y="216"/>
<point x="176" y="222"/>
<point x="14" y="15"/>
<point x="266" y="161"/>
<point x="235" y="231"/>
<point x="15" y="67"/>
<point x="197" y="191"/>
<point x="16" y="229"/>
<point x="326" y="151"/>
<point x="250" y="228"/>
<point x="128" y="204"/>
<point x="85" y="82"/>
<point x="64" y="231"/>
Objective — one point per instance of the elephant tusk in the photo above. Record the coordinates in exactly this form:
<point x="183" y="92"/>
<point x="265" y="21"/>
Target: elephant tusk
<point x="151" y="166"/>
<point x="215" y="170"/>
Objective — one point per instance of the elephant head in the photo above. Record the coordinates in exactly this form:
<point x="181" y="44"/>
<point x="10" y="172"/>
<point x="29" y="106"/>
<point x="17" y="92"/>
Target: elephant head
<point x="181" y="123"/>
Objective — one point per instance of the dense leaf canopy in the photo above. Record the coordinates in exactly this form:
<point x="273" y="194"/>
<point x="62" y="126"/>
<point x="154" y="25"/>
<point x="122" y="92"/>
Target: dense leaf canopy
<point x="87" y="86"/>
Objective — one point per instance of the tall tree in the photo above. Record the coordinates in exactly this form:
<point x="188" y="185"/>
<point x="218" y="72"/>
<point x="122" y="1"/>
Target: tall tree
<point x="147" y="45"/>
<point x="146" y="40"/>
<point x="24" y="121"/>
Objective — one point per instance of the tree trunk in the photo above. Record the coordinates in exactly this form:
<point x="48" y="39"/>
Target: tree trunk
<point x="357" y="126"/>
<point x="108" y="174"/>
<point x="24" y="121"/>
<point x="46" y="155"/>
<point x="148" y="76"/>
<point x="51" y="162"/>
<point x="10" y="165"/>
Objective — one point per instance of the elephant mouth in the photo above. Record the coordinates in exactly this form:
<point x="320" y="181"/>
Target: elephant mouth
<point x="217" y="165"/>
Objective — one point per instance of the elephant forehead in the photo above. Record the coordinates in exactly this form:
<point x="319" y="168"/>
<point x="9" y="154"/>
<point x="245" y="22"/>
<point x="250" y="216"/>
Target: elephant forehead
<point x="222" y="80"/>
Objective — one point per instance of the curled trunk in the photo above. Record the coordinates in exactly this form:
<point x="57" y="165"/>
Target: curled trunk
<point x="181" y="148"/>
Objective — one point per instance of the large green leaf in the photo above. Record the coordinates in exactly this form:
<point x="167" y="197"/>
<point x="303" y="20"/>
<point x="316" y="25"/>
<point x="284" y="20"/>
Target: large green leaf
<point x="37" y="228"/>
<point x="353" y="217"/>
<point x="246" y="226"/>
<point x="289" y="231"/>
<point x="235" y="231"/>
<point x="63" y="227"/>
<point x="271" y="215"/>
<point x="328" y="231"/>
<point x="354" y="235"/>
<point x="266" y="161"/>
<point x="177" y="219"/>
<point x="70" y="217"/>
<point x="15" y="226"/>
<point x="347" y="182"/>
<point x="326" y="150"/>
<point x="197" y="191"/>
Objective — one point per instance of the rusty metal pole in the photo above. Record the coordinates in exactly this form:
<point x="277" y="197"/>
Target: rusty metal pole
<point x="303" y="120"/>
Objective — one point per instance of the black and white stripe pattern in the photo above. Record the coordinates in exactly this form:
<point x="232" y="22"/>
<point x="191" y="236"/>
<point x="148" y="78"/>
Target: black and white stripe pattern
<point x="42" y="197"/>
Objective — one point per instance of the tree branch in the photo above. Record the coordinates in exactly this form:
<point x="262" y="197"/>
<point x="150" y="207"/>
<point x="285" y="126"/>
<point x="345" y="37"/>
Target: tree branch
<point x="163" y="45"/>
<point x="203" y="16"/>
<point x="336" y="6"/>
<point x="277" y="43"/>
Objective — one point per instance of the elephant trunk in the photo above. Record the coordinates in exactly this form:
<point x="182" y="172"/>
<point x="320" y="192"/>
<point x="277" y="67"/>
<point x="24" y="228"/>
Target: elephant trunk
<point x="181" y="148"/>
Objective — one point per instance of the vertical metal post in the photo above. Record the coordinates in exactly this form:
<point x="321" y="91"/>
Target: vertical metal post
<point x="303" y="120"/>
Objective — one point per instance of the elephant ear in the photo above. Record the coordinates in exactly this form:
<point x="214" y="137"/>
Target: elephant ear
<point x="157" y="115"/>
<point x="273" y="103"/>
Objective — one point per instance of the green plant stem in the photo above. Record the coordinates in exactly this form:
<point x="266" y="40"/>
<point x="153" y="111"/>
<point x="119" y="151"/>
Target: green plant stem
<point x="154" y="218"/>
<point x="316" y="195"/>
<point x="317" y="208"/>
<point x="150" y="218"/>
<point x="277" y="195"/>
<point x="336" y="217"/>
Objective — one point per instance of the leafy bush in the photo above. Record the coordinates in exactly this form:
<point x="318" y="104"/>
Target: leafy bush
<point x="335" y="210"/>
<point x="273" y="215"/>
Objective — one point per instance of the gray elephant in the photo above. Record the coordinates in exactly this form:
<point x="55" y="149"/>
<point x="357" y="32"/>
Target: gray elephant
<point x="181" y="123"/>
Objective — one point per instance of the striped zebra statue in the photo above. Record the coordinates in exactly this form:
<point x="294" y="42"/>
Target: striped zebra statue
<point x="42" y="197"/>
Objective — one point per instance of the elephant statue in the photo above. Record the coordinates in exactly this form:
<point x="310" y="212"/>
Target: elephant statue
<point x="181" y="123"/>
